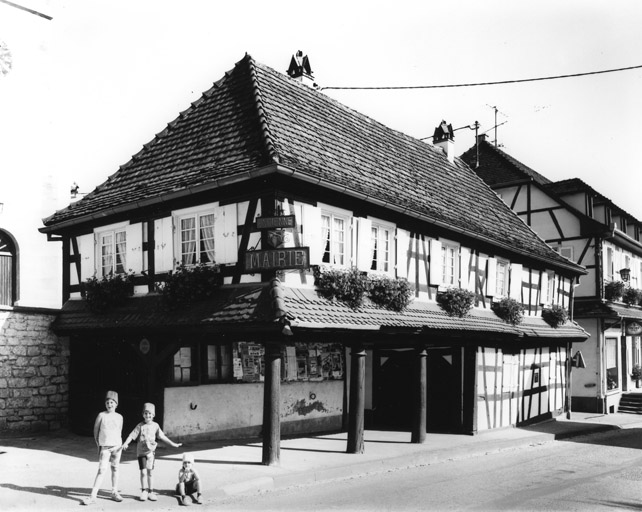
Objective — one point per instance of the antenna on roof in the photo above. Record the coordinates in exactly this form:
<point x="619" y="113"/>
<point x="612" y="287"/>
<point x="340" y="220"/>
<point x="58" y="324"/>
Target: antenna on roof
<point x="496" y="125"/>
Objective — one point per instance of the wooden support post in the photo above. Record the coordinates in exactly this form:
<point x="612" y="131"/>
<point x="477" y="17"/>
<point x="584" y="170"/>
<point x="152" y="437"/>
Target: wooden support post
<point x="271" y="406"/>
<point x="357" y="399"/>
<point x="418" y="435"/>
<point x="569" y="360"/>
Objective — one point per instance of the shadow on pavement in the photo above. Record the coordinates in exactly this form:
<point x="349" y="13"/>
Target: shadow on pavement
<point x="70" y="493"/>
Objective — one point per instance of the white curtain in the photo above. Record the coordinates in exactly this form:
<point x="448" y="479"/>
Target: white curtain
<point x="121" y="247"/>
<point x="207" y="237"/>
<point x="188" y="241"/>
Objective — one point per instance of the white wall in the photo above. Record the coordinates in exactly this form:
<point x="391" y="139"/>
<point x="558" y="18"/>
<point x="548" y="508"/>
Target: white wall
<point x="198" y="410"/>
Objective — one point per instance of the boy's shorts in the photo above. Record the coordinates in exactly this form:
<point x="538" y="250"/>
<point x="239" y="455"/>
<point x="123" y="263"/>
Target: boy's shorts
<point x="109" y="454"/>
<point x="146" y="461"/>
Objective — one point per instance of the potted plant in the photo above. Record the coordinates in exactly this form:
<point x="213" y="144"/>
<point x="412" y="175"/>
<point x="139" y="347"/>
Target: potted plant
<point x="509" y="310"/>
<point x="613" y="290"/>
<point x="456" y="301"/>
<point x="636" y="375"/>
<point x="190" y="284"/>
<point x="393" y="294"/>
<point x="631" y="296"/>
<point x="349" y="286"/>
<point x="107" y="292"/>
<point x="555" y="316"/>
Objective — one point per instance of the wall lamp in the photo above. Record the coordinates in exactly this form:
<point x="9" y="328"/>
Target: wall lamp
<point x="625" y="274"/>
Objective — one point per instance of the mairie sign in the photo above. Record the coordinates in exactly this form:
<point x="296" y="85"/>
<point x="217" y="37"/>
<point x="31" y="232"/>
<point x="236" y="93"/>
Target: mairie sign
<point x="277" y="259"/>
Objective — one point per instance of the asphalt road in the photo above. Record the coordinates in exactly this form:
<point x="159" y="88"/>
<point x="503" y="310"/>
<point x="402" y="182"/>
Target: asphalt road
<point x="597" y="472"/>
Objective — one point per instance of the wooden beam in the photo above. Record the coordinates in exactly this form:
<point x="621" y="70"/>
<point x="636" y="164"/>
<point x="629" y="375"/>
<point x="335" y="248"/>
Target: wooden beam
<point x="357" y="399"/>
<point x="271" y="405"/>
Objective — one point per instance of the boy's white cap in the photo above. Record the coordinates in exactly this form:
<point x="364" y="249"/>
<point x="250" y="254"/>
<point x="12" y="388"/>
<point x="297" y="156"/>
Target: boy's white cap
<point x="188" y="457"/>
<point x="149" y="407"/>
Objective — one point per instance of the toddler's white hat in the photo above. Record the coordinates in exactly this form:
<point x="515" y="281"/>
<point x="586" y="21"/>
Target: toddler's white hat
<point x="188" y="457"/>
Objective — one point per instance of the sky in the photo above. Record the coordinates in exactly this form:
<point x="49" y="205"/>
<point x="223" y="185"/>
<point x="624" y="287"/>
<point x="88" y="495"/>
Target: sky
<point x="90" y="86"/>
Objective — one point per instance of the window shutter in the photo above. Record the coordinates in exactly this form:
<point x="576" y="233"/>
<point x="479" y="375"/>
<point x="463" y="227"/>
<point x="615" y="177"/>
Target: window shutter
<point x="403" y="245"/>
<point x="464" y="264"/>
<point x="364" y="244"/>
<point x="312" y="233"/>
<point x="543" y="288"/>
<point x="164" y="244"/>
<point x="134" y="244"/>
<point x="436" y="275"/>
<point x="86" y="246"/>
<point x="225" y="237"/>
<point x="516" y="281"/>
<point x="491" y="277"/>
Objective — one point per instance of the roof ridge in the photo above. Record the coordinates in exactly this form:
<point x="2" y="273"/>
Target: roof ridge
<point x="263" y="119"/>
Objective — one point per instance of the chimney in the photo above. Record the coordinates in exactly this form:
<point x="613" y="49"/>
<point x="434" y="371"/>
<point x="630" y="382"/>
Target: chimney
<point x="300" y="70"/>
<point x="445" y="139"/>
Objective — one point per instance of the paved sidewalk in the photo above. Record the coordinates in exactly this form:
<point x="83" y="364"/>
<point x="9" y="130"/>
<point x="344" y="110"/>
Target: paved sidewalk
<point x="56" y="471"/>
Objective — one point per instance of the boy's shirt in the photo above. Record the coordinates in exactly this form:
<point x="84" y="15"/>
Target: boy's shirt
<point x="108" y="429"/>
<point x="187" y="475"/>
<point x="146" y="433"/>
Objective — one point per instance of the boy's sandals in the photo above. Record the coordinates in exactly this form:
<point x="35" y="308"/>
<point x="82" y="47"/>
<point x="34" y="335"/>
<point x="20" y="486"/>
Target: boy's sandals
<point x="198" y="501"/>
<point x="143" y="495"/>
<point x="152" y="496"/>
<point x="116" y="497"/>
<point x="89" y="500"/>
<point x="182" y="500"/>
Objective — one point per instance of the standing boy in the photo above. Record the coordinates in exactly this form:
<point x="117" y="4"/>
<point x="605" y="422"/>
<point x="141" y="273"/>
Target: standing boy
<point x="108" y="429"/>
<point x="146" y="432"/>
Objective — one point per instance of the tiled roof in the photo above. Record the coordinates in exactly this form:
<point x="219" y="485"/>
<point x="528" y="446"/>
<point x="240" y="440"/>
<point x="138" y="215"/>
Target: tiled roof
<point x="260" y="306"/>
<point x="575" y="185"/>
<point x="498" y="167"/>
<point x="255" y="116"/>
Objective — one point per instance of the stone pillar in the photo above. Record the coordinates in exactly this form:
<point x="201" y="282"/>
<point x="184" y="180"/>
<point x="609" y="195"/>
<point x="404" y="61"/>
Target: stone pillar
<point x="419" y="411"/>
<point x="357" y="399"/>
<point x="271" y="406"/>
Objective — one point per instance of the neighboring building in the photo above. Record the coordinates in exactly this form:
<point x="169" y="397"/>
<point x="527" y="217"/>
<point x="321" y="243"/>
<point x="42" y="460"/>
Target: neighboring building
<point x="272" y="180"/>
<point x="586" y="227"/>
<point x="34" y="362"/>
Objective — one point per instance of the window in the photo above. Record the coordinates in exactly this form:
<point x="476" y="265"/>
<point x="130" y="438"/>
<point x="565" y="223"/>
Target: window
<point x="612" y="370"/>
<point x="8" y="270"/>
<point x="183" y="370"/>
<point x="449" y="264"/>
<point x="502" y="278"/>
<point x="381" y="237"/>
<point x="334" y="238"/>
<point x="567" y="252"/>
<point x="197" y="239"/>
<point x="197" y="363"/>
<point x="112" y="246"/>
<point x="219" y="363"/>
<point x="550" y="299"/>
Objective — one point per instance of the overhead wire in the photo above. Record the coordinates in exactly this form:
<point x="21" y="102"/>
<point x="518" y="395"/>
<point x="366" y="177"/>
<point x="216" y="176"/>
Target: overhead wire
<point x="476" y="84"/>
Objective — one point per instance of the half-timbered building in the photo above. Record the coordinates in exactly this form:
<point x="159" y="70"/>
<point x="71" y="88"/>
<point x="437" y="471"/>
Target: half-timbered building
<point x="276" y="184"/>
<point x="586" y="227"/>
